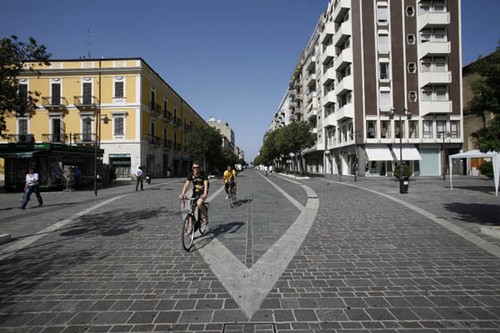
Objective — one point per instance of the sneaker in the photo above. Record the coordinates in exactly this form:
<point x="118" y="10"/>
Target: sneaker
<point x="227" y="197"/>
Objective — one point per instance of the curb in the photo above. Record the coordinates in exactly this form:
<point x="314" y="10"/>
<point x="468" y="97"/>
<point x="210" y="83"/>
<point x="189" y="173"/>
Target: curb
<point x="5" y="238"/>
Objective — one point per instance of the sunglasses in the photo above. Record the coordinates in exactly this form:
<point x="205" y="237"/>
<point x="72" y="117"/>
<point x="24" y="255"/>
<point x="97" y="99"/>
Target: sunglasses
<point x="196" y="167"/>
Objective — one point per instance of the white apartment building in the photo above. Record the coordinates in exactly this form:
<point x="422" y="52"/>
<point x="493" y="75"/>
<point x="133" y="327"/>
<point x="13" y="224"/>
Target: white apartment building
<point x="380" y="82"/>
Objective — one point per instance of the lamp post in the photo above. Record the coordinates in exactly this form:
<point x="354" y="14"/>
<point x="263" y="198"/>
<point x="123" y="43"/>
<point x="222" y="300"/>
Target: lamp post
<point x="356" y="166"/>
<point x="408" y="115"/>
<point x="444" y="135"/>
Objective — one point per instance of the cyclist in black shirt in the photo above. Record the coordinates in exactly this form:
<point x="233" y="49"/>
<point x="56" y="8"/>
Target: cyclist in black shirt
<point x="200" y="189"/>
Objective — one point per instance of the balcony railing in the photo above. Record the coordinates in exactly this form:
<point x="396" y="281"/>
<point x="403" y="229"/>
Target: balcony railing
<point x="155" y="108"/>
<point x="54" y="103"/>
<point x="153" y="140"/>
<point x="56" y="138"/>
<point x="20" y="138"/>
<point x="82" y="138"/>
<point x="167" y="144"/>
<point x="86" y="103"/>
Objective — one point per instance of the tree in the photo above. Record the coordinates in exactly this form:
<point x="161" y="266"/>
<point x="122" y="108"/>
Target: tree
<point x="204" y="144"/>
<point x="14" y="54"/>
<point x="486" y="92"/>
<point x="291" y="139"/>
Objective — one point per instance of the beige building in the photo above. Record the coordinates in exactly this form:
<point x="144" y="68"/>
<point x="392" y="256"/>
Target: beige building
<point x="122" y="107"/>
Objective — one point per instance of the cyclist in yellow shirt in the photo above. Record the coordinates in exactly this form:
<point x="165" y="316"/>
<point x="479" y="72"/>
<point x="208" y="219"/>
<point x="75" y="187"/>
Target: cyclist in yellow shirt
<point x="229" y="178"/>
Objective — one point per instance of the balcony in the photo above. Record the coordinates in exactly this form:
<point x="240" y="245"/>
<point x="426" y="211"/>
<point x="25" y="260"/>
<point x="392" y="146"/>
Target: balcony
<point x="312" y="113"/>
<point x="433" y="19"/>
<point x="155" y="109"/>
<point x="345" y="112"/>
<point x="341" y="8"/>
<point x="20" y="138"/>
<point x="330" y="120"/>
<point x="153" y="140"/>
<point x="310" y="63"/>
<point x="344" y="32"/>
<point x="54" y="103"/>
<point x="327" y="34"/>
<point x="329" y="98"/>
<point x="56" y="138"/>
<point x="435" y="107"/>
<point x="311" y="79"/>
<point x="177" y="121"/>
<point x="167" y="116"/>
<point x="346" y="84"/>
<point x="425" y="78"/>
<point x="433" y="47"/>
<point x="82" y="138"/>
<point x="86" y="103"/>
<point x="327" y="55"/>
<point x="343" y="59"/>
<point x="328" y="76"/>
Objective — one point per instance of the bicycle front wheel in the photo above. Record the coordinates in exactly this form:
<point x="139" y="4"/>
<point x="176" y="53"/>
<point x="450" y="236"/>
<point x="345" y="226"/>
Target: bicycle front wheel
<point x="188" y="232"/>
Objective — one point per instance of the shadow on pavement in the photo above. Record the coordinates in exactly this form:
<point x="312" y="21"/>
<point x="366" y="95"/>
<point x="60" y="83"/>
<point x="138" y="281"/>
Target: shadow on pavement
<point x="485" y="214"/>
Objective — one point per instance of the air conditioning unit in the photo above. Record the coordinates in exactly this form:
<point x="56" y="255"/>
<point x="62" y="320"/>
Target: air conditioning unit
<point x="25" y="138"/>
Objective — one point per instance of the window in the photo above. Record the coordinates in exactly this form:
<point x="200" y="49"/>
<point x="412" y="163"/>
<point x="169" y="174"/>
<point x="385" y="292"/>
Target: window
<point x="118" y="125"/>
<point x="410" y="11"/>
<point x="165" y="108"/>
<point x="412" y="96"/>
<point x="382" y="14"/>
<point x="399" y="129"/>
<point x="412" y="67"/>
<point x="22" y="126"/>
<point x="385" y="129"/>
<point x="23" y="92"/>
<point x="383" y="43"/>
<point x="427" y="133"/>
<point x="413" y="128"/>
<point x="55" y="93"/>
<point x="56" y="130"/>
<point x="426" y="64"/>
<point x="384" y="71"/>
<point x="385" y="100"/>
<point x="165" y="137"/>
<point x="87" y="93"/>
<point x="371" y="132"/>
<point x="454" y="128"/>
<point x="441" y="93"/>
<point x="440" y="64"/>
<point x="119" y="87"/>
<point x="426" y="94"/>
<point x="86" y="129"/>
<point x="410" y="39"/>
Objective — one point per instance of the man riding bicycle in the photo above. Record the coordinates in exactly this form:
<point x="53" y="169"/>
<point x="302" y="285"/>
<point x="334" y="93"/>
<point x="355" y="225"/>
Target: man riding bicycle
<point x="229" y="179"/>
<point x="200" y="189"/>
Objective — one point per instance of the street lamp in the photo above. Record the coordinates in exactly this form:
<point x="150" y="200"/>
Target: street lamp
<point x="97" y="143"/>
<point x="400" y="112"/>
<point x="444" y="135"/>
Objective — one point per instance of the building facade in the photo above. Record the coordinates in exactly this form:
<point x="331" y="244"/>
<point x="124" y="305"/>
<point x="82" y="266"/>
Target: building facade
<point x="380" y="82"/>
<point x="122" y="107"/>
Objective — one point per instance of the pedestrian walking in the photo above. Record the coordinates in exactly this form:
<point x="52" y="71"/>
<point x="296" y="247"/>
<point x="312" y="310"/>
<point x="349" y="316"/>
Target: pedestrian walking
<point x="31" y="186"/>
<point x="139" y="176"/>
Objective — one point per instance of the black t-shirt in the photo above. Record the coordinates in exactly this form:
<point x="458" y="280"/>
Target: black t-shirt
<point x="198" y="183"/>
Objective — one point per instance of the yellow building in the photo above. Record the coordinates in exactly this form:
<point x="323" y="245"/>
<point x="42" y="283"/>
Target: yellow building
<point x="143" y="122"/>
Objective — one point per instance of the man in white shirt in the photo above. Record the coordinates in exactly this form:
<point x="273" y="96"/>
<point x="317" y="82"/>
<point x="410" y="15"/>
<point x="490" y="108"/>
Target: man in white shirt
<point x="138" y="175"/>
<point x="31" y="186"/>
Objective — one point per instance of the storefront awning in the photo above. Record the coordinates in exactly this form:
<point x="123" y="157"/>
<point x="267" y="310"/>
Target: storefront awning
<point x="409" y="153"/>
<point x="379" y="154"/>
<point x="25" y="154"/>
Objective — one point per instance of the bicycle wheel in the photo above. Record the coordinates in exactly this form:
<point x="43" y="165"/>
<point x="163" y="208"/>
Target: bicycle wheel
<point x="188" y="237"/>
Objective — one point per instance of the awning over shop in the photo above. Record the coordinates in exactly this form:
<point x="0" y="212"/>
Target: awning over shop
<point x="26" y="154"/>
<point x="379" y="154"/>
<point x="409" y="153"/>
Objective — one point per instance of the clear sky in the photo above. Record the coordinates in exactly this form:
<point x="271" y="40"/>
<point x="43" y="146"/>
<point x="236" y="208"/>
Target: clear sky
<point x="229" y="59"/>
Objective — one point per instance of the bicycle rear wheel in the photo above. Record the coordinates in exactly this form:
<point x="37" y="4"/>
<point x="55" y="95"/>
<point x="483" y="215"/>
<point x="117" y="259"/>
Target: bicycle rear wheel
<point x="188" y="232"/>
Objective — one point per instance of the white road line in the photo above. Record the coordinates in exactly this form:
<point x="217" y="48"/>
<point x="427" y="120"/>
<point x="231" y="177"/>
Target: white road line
<point x="250" y="286"/>
<point x="19" y="245"/>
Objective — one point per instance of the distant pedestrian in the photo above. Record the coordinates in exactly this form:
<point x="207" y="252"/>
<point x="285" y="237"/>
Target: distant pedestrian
<point x="31" y="186"/>
<point x="139" y="176"/>
<point x="266" y="170"/>
<point x="270" y="170"/>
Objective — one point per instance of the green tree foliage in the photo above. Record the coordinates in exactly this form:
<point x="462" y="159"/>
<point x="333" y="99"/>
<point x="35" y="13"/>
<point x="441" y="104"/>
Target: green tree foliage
<point x="486" y="91"/>
<point x="14" y="54"/>
<point x="204" y="144"/>
<point x="289" y="139"/>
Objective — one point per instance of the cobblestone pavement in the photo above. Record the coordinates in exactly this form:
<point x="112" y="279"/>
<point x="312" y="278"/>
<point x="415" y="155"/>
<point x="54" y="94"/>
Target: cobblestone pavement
<point x="373" y="260"/>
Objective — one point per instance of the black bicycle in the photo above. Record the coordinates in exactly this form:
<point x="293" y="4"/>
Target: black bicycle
<point x="232" y="193"/>
<point x="192" y="223"/>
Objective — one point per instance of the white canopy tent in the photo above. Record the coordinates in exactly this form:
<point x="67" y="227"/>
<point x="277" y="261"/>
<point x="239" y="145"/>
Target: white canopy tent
<point x="495" y="158"/>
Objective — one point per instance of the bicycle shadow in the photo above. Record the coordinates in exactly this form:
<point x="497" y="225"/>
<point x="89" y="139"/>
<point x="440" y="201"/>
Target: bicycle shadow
<point x="239" y="203"/>
<point x="213" y="233"/>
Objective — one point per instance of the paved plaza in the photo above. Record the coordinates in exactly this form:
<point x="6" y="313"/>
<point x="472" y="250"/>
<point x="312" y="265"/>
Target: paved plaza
<point x="319" y="254"/>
